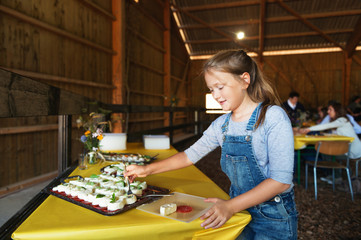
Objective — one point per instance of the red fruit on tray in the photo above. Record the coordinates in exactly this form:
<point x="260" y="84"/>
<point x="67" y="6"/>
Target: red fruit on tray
<point x="184" y="209"/>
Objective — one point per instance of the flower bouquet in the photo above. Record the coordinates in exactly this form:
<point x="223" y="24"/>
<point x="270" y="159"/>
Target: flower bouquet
<point x="94" y="127"/>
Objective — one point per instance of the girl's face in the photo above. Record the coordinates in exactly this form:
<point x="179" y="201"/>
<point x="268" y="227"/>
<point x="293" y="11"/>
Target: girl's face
<point x="331" y="112"/>
<point x="228" y="91"/>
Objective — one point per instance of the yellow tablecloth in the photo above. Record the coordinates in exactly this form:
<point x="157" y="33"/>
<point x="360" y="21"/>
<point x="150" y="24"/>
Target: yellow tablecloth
<point x="58" y="219"/>
<point x="301" y="141"/>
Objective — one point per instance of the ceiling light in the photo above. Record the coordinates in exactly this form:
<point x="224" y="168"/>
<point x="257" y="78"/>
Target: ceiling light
<point x="240" y="35"/>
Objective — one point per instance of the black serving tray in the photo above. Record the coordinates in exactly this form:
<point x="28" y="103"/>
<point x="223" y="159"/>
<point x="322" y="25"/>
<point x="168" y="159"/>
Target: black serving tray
<point x="105" y="211"/>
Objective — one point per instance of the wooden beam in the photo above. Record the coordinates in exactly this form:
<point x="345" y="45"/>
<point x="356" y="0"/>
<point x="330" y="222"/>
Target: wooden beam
<point x="28" y="129"/>
<point x="152" y="69"/>
<point x="346" y="79"/>
<point x="46" y="100"/>
<point x="27" y="183"/>
<point x="167" y="59"/>
<point x="118" y="60"/>
<point x="55" y="30"/>
<point x="283" y="35"/>
<point x="147" y="93"/>
<point x="146" y="40"/>
<point x="148" y="16"/>
<point x="357" y="59"/>
<point x="262" y="16"/>
<point x="354" y="40"/>
<point x="205" y="7"/>
<point x="308" y="23"/>
<point x="54" y="78"/>
<point x="99" y="9"/>
<point x="275" y="19"/>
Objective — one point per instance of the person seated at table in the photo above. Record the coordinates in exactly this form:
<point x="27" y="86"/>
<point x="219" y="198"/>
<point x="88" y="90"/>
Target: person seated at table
<point x="322" y="113"/>
<point x="340" y="125"/>
<point x="354" y="124"/>
<point x="354" y="108"/>
<point x="257" y="150"/>
<point x="293" y="107"/>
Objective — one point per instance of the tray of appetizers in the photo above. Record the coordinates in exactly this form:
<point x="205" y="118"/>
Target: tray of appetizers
<point x="136" y="158"/>
<point x="105" y="194"/>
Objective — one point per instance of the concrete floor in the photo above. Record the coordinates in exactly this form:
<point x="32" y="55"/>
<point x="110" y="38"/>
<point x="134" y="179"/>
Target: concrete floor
<point x="12" y="203"/>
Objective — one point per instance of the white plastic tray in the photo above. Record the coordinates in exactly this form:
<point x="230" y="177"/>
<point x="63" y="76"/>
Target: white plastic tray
<point x="197" y="203"/>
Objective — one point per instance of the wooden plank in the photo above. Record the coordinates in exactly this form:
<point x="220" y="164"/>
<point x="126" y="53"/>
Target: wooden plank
<point x="12" y="188"/>
<point x="50" y="78"/>
<point x="53" y="29"/>
<point x="15" y="92"/>
<point x="28" y="129"/>
<point x="99" y="9"/>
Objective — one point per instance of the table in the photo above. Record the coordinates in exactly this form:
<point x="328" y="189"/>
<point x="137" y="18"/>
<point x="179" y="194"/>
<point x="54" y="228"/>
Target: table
<point x="59" y="219"/>
<point x="301" y="141"/>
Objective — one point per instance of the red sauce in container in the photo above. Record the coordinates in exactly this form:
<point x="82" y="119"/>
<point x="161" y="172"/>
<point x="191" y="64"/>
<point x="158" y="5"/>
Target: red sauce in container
<point x="184" y="209"/>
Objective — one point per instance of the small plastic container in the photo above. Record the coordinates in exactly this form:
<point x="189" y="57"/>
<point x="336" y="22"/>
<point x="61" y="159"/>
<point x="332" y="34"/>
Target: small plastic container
<point x="156" y="142"/>
<point x="113" y="142"/>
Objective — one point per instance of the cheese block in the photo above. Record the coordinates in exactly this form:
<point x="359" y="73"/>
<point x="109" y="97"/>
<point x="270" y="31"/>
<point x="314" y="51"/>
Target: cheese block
<point x="167" y="209"/>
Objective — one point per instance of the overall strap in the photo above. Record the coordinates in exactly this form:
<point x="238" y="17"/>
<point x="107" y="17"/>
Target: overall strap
<point x="226" y="123"/>
<point x="252" y="121"/>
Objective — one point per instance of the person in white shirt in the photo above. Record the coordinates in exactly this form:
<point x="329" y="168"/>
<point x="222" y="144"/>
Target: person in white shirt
<point x="342" y="126"/>
<point x="293" y="107"/>
<point x="355" y="125"/>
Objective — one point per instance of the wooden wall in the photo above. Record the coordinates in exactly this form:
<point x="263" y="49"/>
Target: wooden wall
<point x="145" y="82"/>
<point x="317" y="77"/>
<point x="68" y="44"/>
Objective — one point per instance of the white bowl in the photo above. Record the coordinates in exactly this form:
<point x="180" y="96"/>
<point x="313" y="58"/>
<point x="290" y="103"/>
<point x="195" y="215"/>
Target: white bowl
<point x="113" y="142"/>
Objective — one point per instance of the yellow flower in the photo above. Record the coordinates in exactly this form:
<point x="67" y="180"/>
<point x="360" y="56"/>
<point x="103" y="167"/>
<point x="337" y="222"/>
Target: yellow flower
<point x="100" y="137"/>
<point x="87" y="133"/>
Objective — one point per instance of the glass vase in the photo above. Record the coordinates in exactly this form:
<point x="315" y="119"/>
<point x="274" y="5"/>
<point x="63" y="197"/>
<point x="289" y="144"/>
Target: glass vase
<point x="92" y="157"/>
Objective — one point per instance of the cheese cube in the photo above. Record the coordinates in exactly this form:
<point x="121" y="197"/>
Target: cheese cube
<point x="167" y="209"/>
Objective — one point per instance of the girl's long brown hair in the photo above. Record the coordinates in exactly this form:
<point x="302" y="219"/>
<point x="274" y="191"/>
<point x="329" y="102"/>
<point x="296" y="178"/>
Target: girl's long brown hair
<point x="238" y="62"/>
<point x="339" y="110"/>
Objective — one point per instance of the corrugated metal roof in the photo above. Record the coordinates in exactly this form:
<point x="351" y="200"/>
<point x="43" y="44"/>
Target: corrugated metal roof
<point x="210" y="26"/>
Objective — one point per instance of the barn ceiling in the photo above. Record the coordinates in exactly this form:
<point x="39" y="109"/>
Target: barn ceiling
<point x="270" y="26"/>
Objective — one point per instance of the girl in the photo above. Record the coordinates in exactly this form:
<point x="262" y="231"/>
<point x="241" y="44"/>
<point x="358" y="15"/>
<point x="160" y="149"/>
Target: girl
<point x="257" y="150"/>
<point x="342" y="126"/>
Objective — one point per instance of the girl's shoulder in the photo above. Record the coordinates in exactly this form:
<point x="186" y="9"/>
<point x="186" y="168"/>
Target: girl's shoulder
<point x="276" y="112"/>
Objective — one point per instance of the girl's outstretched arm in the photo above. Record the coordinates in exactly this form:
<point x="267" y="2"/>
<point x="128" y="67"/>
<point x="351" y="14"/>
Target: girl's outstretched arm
<point x="177" y="161"/>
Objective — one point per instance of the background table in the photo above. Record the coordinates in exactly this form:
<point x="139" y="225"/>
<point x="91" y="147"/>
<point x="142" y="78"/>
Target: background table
<point x="58" y="219"/>
<point x="301" y="141"/>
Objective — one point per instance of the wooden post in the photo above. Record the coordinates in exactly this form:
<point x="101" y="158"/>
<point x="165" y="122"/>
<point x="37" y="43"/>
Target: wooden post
<point x="166" y="59"/>
<point x="118" y="61"/>
<point x="346" y="79"/>
<point x="64" y="142"/>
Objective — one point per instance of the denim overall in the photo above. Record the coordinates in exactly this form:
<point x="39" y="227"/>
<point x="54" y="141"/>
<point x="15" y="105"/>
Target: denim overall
<point x="273" y="219"/>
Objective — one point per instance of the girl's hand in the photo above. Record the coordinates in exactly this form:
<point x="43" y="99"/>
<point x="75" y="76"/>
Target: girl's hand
<point x="217" y="215"/>
<point x="133" y="171"/>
